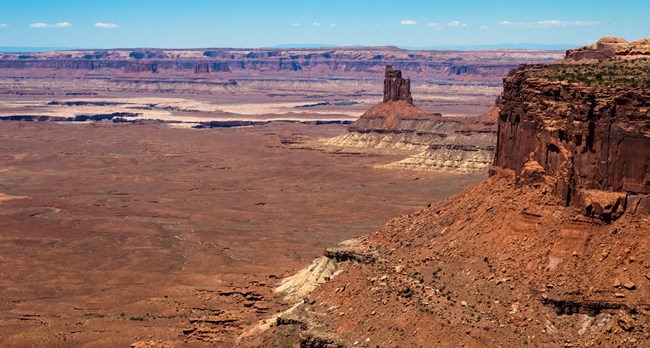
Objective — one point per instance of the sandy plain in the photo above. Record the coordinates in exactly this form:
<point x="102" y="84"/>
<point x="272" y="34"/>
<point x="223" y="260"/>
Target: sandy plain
<point x="117" y="233"/>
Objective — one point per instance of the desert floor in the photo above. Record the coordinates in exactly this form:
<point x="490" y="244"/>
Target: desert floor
<point x="115" y="233"/>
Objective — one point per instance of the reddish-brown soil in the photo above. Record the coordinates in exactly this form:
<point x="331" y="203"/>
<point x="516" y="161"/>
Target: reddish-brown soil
<point x="113" y="234"/>
<point x="502" y="264"/>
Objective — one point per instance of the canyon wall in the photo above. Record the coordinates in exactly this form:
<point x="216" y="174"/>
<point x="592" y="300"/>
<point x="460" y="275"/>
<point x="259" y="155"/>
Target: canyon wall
<point x="588" y="128"/>
<point x="486" y="66"/>
<point x="514" y="262"/>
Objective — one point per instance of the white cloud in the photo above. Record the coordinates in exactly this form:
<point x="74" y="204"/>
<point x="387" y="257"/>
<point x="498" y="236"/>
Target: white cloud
<point x="563" y="24"/>
<point x="106" y="25"/>
<point x="435" y="26"/>
<point x="456" y="24"/>
<point x="3" y="25"/>
<point x="407" y="22"/>
<point x="296" y="24"/>
<point x="316" y="24"/>
<point x="484" y="27"/>
<point x="46" y="25"/>
<point x="333" y="25"/>
<point x="553" y="23"/>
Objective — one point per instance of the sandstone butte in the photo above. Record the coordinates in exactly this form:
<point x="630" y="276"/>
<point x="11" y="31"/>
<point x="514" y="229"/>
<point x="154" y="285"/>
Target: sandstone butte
<point x="436" y="143"/>
<point x="552" y="250"/>
<point x="396" y="108"/>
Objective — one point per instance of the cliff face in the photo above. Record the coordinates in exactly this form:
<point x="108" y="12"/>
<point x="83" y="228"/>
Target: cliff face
<point x="348" y="62"/>
<point x="203" y="67"/>
<point x="593" y="140"/>
<point x="133" y="67"/>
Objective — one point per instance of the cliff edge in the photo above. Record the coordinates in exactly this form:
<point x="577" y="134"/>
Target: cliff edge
<point x="550" y="251"/>
<point x="587" y="126"/>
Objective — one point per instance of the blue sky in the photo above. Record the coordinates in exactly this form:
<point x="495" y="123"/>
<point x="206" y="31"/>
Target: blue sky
<point x="256" y="23"/>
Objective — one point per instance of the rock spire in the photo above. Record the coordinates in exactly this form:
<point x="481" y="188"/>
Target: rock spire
<point x="396" y="87"/>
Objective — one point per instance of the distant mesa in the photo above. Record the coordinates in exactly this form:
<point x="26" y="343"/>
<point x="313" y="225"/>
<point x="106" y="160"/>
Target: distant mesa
<point x="609" y="47"/>
<point x="220" y="64"/>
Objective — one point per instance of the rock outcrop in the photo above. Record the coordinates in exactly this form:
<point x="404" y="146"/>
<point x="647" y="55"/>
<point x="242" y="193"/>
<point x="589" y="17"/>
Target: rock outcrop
<point x="610" y="47"/>
<point x="586" y="135"/>
<point x="396" y="113"/>
<point x="450" y="144"/>
<point x="604" y="48"/>
<point x="395" y="87"/>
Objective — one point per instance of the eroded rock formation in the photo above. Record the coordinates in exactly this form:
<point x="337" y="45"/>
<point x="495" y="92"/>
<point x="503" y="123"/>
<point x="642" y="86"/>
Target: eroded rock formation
<point x="396" y="113"/>
<point x="610" y="47"/>
<point x="604" y="48"/>
<point x="590" y="138"/>
<point x="395" y="87"/>
<point x="456" y="144"/>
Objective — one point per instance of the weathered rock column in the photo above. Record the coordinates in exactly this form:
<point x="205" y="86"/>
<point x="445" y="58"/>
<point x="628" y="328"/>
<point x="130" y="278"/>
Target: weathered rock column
<point x="396" y="87"/>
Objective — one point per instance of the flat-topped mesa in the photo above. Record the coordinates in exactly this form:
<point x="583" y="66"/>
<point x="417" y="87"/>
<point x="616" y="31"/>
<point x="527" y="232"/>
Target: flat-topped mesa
<point x="396" y="87"/>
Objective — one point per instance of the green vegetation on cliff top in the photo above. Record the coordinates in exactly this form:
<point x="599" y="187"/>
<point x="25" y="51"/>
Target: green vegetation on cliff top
<point x="601" y="75"/>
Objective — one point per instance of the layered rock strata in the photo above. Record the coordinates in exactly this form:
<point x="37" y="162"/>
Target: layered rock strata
<point x="458" y="144"/>
<point x="235" y="63"/>
<point x="593" y="140"/>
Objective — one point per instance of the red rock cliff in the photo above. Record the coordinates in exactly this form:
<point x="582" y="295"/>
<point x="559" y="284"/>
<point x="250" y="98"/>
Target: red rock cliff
<point x="587" y="125"/>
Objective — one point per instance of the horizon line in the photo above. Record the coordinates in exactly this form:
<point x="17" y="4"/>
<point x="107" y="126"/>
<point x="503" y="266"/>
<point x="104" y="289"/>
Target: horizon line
<point x="462" y="47"/>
